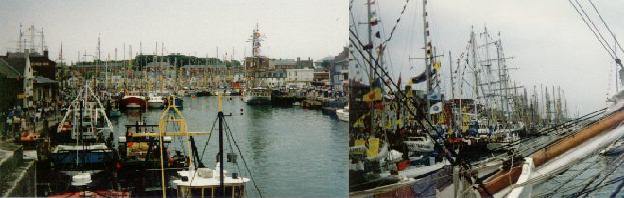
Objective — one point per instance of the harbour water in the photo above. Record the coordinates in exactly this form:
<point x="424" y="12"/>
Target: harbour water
<point x="281" y="145"/>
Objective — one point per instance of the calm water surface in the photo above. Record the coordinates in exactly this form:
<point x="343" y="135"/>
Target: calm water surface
<point x="291" y="152"/>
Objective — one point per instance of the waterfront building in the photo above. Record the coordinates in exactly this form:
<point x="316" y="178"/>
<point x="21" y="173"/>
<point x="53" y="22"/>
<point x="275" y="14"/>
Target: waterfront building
<point x="299" y="78"/>
<point x="339" y="71"/>
<point x="30" y="78"/>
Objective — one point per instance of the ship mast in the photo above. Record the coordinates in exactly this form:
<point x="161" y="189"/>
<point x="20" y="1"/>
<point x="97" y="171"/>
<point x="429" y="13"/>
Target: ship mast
<point x="428" y="57"/>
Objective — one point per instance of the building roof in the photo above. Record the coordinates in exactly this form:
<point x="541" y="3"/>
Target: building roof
<point x="8" y="71"/>
<point x="282" y="62"/>
<point x="18" y="64"/>
<point x="44" y="80"/>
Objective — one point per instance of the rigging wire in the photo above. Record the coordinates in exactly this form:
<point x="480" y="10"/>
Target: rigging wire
<point x="209" y="136"/>
<point x="596" y="35"/>
<point x="396" y="23"/>
<point x="228" y="130"/>
<point x="594" y="25"/>
<point x="606" y="25"/>
<point x="403" y="99"/>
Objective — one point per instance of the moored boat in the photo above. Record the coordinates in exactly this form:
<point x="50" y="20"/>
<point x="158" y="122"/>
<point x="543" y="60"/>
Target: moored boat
<point x="133" y="102"/>
<point x="257" y="96"/>
<point x="343" y="114"/>
<point x="155" y="101"/>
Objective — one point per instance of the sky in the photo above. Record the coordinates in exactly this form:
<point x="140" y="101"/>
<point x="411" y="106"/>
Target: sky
<point x="292" y="28"/>
<point x="549" y="43"/>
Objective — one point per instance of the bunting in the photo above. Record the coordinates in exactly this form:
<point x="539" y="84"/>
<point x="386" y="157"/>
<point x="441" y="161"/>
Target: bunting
<point x="372" y="95"/>
<point x="375" y="94"/>
<point x="422" y="77"/>
<point x="397" y="21"/>
<point x="436" y="108"/>
<point x="437" y="65"/>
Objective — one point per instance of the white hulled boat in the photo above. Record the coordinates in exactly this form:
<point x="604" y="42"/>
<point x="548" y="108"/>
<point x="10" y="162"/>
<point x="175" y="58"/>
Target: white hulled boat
<point x="343" y="114"/>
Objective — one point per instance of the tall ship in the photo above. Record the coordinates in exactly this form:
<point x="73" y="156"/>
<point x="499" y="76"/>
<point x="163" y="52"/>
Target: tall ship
<point x="256" y="92"/>
<point x="404" y="138"/>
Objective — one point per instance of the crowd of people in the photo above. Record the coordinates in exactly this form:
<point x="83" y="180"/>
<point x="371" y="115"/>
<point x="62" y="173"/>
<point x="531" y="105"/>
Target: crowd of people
<point x="20" y="119"/>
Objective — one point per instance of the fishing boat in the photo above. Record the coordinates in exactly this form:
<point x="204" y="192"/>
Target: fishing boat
<point x="114" y="111"/>
<point x="202" y="181"/>
<point x="257" y="96"/>
<point x="206" y="182"/>
<point x="133" y="101"/>
<point x="203" y="93"/>
<point x="421" y="158"/>
<point x="140" y="162"/>
<point x="83" y="158"/>
<point x="178" y="101"/>
<point x="343" y="114"/>
<point x="155" y="101"/>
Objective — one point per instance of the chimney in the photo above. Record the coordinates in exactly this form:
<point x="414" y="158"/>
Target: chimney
<point x="45" y="53"/>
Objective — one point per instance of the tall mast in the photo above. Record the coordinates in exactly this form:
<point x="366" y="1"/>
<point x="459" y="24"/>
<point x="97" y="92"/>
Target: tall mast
<point x="221" y="164"/>
<point x="473" y="46"/>
<point x="61" y="53"/>
<point x="97" y="72"/>
<point x="20" y="40"/>
<point x="451" y="75"/>
<point x="428" y="57"/>
<point x="370" y="42"/>
<point x="43" y="48"/>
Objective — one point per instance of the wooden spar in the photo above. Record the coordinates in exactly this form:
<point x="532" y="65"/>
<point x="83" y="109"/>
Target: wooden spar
<point x="506" y="178"/>
<point x="542" y="156"/>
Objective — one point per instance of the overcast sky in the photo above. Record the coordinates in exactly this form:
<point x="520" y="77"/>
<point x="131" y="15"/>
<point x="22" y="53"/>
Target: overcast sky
<point x="293" y="28"/>
<point x="549" y="42"/>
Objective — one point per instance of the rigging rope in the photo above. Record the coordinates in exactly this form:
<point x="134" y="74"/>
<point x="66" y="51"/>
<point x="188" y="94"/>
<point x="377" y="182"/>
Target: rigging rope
<point x="228" y="130"/>
<point x="597" y="35"/>
<point x="404" y="99"/>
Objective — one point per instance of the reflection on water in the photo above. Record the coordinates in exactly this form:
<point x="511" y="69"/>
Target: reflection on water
<point x="290" y="151"/>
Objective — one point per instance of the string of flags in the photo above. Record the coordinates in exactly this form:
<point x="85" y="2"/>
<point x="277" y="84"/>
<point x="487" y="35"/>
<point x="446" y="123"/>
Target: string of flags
<point x="397" y="22"/>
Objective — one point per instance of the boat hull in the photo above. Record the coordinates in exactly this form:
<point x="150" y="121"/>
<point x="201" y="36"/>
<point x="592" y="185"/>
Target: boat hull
<point x="257" y="100"/>
<point x="132" y="102"/>
<point x="155" y="104"/>
<point x="342" y="115"/>
<point x="86" y="157"/>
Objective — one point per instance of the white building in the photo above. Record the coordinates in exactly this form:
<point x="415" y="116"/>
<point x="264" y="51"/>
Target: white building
<point x="299" y="77"/>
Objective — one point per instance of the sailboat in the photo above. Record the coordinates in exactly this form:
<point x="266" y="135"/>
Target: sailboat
<point x="256" y="93"/>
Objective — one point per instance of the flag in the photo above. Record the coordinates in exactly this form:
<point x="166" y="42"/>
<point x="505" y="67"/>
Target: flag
<point x="434" y="96"/>
<point x="422" y="77"/>
<point x="436" y="108"/>
<point x="373" y="95"/>
<point x="359" y="123"/>
<point x="437" y="65"/>
<point x="373" y="21"/>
